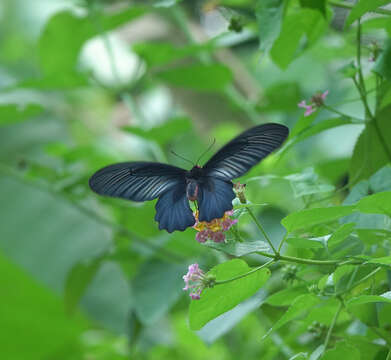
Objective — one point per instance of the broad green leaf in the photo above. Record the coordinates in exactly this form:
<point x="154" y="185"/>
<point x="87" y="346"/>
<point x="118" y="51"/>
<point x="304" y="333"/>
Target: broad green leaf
<point x="34" y="323"/>
<point x="269" y="14"/>
<point x="164" y="133"/>
<point x="379" y="203"/>
<point x="284" y="96"/>
<point x="299" y="306"/>
<point x="77" y="282"/>
<point x="303" y="132"/>
<point x="165" y="3"/>
<point x="213" y="77"/>
<point x="302" y="124"/>
<point x="319" y="5"/>
<point x="156" y="288"/>
<point x="381" y="180"/>
<point x="286" y="296"/>
<point x="340" y="234"/>
<point x="238" y="249"/>
<point x="309" y="217"/>
<point x="14" y="113"/>
<point x="307" y="183"/>
<point x="155" y="54"/>
<point x="369" y="153"/>
<point x="343" y="351"/>
<point x="362" y="7"/>
<point x="216" y="328"/>
<point x="383" y="64"/>
<point x="307" y="22"/>
<point x="364" y="299"/>
<point x="59" y="46"/>
<point x="221" y="298"/>
<point x="306" y="243"/>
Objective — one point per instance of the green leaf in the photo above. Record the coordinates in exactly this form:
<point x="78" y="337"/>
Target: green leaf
<point x="319" y="5"/>
<point x="239" y="248"/>
<point x="155" y="54"/>
<point x="379" y="203"/>
<point x="307" y="183"/>
<point x="77" y="282"/>
<point x="283" y="96"/>
<point x="309" y="217"/>
<point x="299" y="306"/>
<point x="14" y="113"/>
<point x="340" y="234"/>
<point x="303" y="132"/>
<point x="216" y="328"/>
<point x="166" y="3"/>
<point x="303" y="124"/>
<point x="156" y="287"/>
<point x="59" y="46"/>
<point x="383" y="63"/>
<point x="362" y="7"/>
<point x="369" y="153"/>
<point x="269" y="14"/>
<point x="34" y="324"/>
<point x="213" y="77"/>
<point x="304" y="22"/>
<point x="310" y="243"/>
<point x="221" y="298"/>
<point x="286" y="296"/>
<point x="364" y="299"/>
<point x="342" y="351"/>
<point x="164" y="133"/>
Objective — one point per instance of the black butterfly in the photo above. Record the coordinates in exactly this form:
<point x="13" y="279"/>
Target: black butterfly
<point x="209" y="185"/>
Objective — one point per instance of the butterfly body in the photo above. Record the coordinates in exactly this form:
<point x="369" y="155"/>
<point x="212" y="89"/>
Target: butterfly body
<point x="210" y="185"/>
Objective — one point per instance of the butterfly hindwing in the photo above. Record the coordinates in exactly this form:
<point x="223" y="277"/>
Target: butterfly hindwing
<point x="136" y="181"/>
<point x="215" y="198"/>
<point x="173" y="210"/>
<point x="246" y="150"/>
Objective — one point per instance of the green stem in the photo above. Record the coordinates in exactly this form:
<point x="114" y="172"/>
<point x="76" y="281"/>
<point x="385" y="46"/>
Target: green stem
<point x="309" y="261"/>
<point x="331" y="109"/>
<point x="260" y="227"/>
<point x="347" y="5"/>
<point x="389" y="355"/>
<point x="361" y="83"/>
<point x="246" y="274"/>
<point x="331" y="328"/>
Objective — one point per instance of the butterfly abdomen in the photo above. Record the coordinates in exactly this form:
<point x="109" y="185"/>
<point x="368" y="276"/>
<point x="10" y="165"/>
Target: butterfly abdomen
<point x="192" y="190"/>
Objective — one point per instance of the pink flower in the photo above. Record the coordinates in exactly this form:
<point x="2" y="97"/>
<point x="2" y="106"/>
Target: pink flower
<point x="317" y="101"/>
<point x="214" y="229"/>
<point x="194" y="281"/>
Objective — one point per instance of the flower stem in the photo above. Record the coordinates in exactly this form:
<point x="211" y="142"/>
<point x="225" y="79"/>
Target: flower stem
<point x="260" y="227"/>
<point x="309" y="261"/>
<point x="332" y="325"/>
<point x="331" y="109"/>
<point x="246" y="274"/>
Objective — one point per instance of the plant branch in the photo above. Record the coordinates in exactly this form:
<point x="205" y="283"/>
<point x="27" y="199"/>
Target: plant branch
<point x="246" y="274"/>
<point x="260" y="227"/>
<point x="331" y="328"/>
<point x="347" y="5"/>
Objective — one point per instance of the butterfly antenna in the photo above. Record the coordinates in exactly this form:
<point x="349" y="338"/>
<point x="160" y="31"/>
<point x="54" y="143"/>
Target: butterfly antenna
<point x="181" y="157"/>
<point x="210" y="147"/>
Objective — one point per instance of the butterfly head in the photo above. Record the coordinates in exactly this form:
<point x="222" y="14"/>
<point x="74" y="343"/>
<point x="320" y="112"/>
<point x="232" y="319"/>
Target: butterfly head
<point x="195" y="173"/>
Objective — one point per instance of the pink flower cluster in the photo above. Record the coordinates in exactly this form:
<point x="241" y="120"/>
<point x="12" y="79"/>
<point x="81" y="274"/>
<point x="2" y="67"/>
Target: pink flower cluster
<point x="193" y="281"/>
<point x="316" y="102"/>
<point x="215" y="229"/>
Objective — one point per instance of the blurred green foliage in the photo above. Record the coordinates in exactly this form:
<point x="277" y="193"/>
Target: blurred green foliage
<point x="86" y="83"/>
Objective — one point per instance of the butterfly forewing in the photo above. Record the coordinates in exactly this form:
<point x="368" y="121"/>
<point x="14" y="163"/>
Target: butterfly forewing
<point x="136" y="181"/>
<point x="243" y="152"/>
